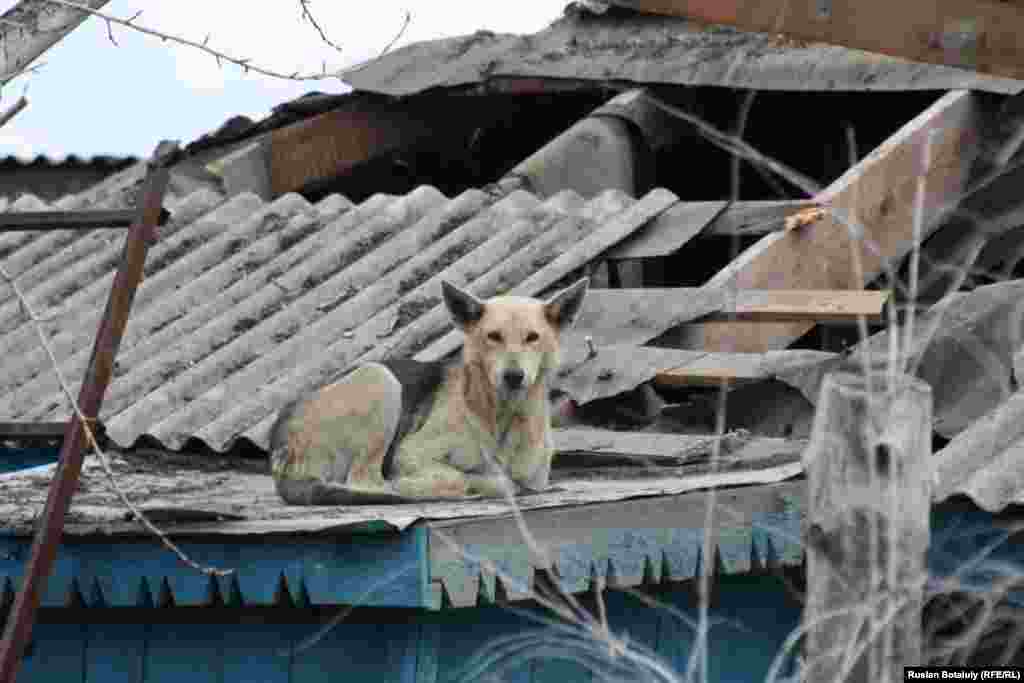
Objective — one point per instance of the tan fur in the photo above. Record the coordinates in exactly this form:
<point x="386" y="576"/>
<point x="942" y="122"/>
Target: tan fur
<point x="485" y="432"/>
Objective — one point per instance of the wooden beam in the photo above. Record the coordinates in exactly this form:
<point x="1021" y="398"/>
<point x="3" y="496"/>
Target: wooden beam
<point x="975" y="34"/>
<point x="618" y="313"/>
<point x="333" y="143"/>
<point x="793" y="305"/>
<point x="878" y="194"/>
<point x="712" y="369"/>
<point x="30" y="28"/>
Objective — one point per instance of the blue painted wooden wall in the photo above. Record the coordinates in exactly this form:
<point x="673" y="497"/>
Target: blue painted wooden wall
<point x="433" y="647"/>
<point x="14" y="459"/>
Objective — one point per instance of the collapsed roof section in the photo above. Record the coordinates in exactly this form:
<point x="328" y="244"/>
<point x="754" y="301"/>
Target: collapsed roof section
<point x="632" y="48"/>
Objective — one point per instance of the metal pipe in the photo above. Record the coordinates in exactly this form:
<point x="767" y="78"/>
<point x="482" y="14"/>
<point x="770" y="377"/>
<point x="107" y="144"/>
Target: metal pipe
<point x="141" y="235"/>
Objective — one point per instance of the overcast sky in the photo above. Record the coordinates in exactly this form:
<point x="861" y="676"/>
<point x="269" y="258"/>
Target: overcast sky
<point x="92" y="97"/>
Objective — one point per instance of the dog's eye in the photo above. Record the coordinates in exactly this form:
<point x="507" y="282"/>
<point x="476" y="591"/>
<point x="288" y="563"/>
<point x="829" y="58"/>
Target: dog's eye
<point x="532" y="337"/>
<point x="494" y="336"/>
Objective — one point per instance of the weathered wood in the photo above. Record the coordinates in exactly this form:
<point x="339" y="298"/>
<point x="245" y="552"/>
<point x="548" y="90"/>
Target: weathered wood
<point x="973" y="34"/>
<point x="793" y="305"/>
<point x="673" y="229"/>
<point x="869" y="500"/>
<point x="619" y="307"/>
<point x="712" y="369"/>
<point x="878" y="195"/>
<point x="333" y="143"/>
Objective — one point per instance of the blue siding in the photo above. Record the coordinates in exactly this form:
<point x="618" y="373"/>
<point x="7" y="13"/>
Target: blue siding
<point x="373" y="570"/>
<point x="430" y="647"/>
<point x="14" y="459"/>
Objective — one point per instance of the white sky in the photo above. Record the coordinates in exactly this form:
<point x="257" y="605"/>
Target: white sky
<point x="92" y="97"/>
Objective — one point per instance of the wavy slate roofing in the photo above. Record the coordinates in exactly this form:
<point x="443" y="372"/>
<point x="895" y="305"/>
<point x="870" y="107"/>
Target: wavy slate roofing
<point x="630" y="47"/>
<point x="245" y="305"/>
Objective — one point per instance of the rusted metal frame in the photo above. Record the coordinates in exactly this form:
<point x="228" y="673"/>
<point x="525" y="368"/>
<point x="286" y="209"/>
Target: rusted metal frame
<point x="72" y="220"/>
<point x="140" y="236"/>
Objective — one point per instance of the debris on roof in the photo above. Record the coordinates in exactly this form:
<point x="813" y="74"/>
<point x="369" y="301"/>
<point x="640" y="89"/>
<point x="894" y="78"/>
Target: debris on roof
<point x="268" y="282"/>
<point x="192" y="493"/>
<point x="274" y="299"/>
<point x="626" y="47"/>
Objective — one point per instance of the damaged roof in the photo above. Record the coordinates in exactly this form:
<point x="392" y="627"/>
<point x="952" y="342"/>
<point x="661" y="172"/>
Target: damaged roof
<point x="246" y="305"/>
<point x="113" y="163"/>
<point x="623" y="46"/>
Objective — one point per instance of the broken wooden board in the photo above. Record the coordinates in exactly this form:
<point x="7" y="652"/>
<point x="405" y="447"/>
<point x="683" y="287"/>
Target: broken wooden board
<point x="331" y="144"/>
<point x="670" y="231"/>
<point x="971" y="34"/>
<point x="879" y="195"/>
<point x="621" y="367"/>
<point x="714" y="369"/>
<point x="607" y="310"/>
<point x="793" y="305"/>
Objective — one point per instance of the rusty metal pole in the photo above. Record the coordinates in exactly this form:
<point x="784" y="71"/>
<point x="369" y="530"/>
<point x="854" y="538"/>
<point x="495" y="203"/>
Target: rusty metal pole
<point x="141" y="234"/>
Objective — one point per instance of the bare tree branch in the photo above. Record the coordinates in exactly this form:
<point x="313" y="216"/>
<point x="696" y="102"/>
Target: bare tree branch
<point x="13" y="110"/>
<point x="221" y="57"/>
<point x="307" y="14"/>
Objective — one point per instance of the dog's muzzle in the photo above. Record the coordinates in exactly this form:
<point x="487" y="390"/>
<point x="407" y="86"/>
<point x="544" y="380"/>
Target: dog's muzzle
<point x="513" y="379"/>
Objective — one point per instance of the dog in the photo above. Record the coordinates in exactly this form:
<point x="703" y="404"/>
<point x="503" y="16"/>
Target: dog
<point x="404" y="430"/>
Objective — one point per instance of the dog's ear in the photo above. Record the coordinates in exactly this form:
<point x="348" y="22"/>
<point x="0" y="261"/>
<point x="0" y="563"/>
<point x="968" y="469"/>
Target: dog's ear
<point x="464" y="308"/>
<point x="562" y="308"/>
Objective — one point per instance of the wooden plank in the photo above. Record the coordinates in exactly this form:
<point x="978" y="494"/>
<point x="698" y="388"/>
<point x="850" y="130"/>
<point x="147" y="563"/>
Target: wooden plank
<point x="333" y="143"/>
<point x="974" y="34"/>
<point x="185" y="652"/>
<point x="253" y="652"/>
<point x="59" y="654"/>
<point x="879" y="193"/>
<point x="115" y="653"/>
<point x="792" y="305"/>
<point x="712" y="369"/>
<point x="348" y="652"/>
<point x="607" y="311"/>
<point x="662" y="449"/>
<point x="673" y="229"/>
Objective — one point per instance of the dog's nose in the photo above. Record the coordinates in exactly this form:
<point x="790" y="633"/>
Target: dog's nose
<point x="514" y="377"/>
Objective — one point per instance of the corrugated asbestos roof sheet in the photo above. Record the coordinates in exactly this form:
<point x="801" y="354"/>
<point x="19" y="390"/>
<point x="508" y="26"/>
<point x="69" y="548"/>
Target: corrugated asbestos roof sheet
<point x="648" y="49"/>
<point x="247" y="305"/>
<point x="69" y="161"/>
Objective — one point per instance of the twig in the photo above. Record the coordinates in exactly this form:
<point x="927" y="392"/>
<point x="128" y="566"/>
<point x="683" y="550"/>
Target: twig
<point x="13" y="110"/>
<point x="387" y="48"/>
<point x="246" y="64"/>
<point x="307" y="14"/>
<point x="91" y="438"/>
